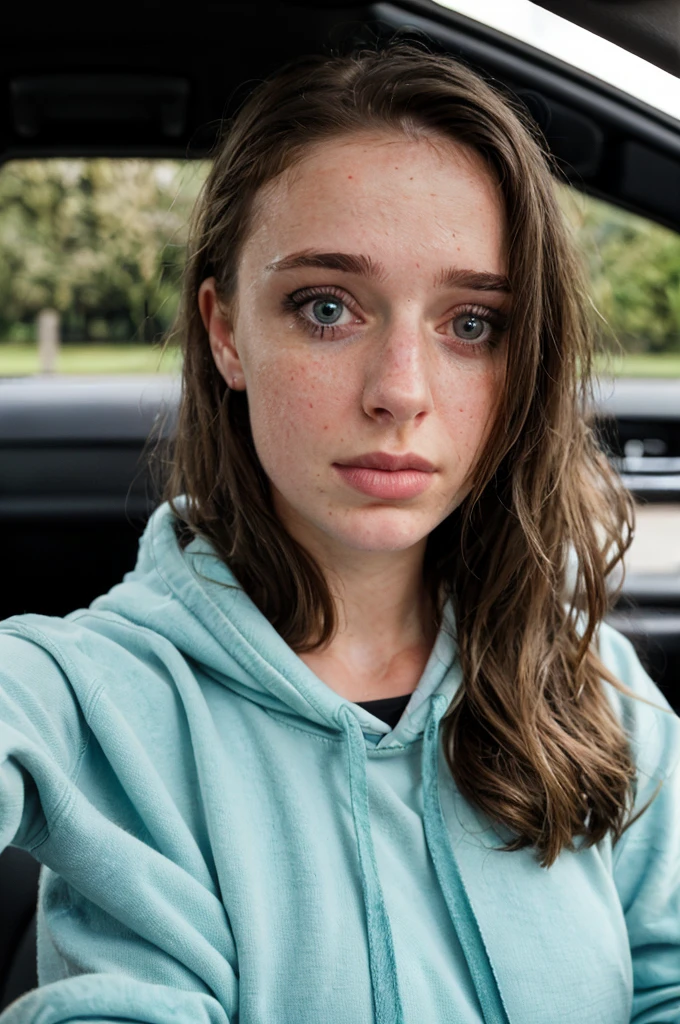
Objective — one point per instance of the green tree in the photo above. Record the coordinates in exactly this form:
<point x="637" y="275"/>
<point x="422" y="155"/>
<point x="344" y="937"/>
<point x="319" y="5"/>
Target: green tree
<point x="634" y="271"/>
<point x="95" y="239"/>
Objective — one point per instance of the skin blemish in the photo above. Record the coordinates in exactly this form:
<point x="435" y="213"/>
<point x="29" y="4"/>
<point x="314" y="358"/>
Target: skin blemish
<point x="311" y="406"/>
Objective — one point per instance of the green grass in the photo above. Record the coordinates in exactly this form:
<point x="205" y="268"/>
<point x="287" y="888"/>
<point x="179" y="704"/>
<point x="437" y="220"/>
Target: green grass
<point x="640" y="365"/>
<point x="22" y="360"/>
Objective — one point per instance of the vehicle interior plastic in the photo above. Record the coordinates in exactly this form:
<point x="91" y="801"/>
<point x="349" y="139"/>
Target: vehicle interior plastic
<point x="648" y="28"/>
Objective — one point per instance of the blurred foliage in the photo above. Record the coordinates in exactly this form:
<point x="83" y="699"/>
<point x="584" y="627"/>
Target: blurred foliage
<point x="633" y="273"/>
<point x="103" y="241"/>
<point x="100" y="240"/>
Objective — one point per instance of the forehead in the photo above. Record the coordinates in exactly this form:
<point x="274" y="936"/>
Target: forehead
<point x="399" y="199"/>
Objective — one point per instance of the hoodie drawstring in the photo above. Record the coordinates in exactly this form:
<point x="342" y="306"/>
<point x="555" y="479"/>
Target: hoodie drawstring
<point x="383" y="967"/>
<point x="450" y="880"/>
<point x="386" y="1002"/>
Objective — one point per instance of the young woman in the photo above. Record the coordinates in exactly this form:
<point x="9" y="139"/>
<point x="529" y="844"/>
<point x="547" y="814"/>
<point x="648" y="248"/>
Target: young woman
<point x="352" y="742"/>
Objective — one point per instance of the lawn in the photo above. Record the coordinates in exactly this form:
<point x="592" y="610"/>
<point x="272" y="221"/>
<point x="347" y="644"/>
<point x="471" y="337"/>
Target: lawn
<point x="641" y="365"/>
<point x="22" y="360"/>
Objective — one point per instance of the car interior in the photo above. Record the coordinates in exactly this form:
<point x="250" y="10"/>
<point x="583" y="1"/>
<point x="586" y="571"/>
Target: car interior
<point x="76" y="487"/>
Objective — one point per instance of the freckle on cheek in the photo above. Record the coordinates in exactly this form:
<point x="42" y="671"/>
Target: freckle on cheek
<point x="311" y="406"/>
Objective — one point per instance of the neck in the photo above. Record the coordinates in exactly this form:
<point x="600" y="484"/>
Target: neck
<point x="384" y="638"/>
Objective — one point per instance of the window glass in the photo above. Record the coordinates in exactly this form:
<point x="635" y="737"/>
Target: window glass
<point x="91" y="253"/>
<point x="634" y="280"/>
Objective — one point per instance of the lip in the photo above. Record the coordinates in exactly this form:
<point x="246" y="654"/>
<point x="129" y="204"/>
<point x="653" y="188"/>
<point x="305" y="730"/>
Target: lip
<point x="390" y="463"/>
<point x="382" y="475"/>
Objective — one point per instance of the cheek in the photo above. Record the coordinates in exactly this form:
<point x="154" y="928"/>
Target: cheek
<point x="471" y="404"/>
<point x="289" y="414"/>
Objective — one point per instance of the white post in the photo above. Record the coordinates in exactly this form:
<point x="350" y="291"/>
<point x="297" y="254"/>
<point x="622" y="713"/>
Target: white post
<point x="48" y="340"/>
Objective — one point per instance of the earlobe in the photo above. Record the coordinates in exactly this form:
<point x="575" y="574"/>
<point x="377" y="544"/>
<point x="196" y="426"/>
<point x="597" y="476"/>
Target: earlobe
<point x="220" y="333"/>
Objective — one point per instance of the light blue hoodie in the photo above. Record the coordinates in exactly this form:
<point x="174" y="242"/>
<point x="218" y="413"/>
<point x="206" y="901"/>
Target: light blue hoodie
<point x="226" y="839"/>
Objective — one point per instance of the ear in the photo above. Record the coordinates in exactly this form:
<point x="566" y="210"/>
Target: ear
<point x="218" y="325"/>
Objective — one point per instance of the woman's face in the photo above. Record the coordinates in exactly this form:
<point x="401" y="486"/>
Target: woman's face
<point x="370" y="314"/>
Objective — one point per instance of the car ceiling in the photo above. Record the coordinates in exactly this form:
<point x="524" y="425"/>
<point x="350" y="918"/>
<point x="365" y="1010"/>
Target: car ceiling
<point x="149" y="80"/>
<point x="648" y="28"/>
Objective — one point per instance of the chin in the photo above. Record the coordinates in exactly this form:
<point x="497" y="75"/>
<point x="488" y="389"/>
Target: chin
<point x="385" y="535"/>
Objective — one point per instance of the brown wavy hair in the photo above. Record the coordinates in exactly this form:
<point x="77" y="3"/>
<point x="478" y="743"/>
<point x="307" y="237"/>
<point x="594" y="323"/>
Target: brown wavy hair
<point x="531" y="738"/>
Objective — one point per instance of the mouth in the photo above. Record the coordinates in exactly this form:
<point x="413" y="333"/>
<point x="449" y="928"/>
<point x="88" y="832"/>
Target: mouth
<point x="388" y="484"/>
<point x="384" y="462"/>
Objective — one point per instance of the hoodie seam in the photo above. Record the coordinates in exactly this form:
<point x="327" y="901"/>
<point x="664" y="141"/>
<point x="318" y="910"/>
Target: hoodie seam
<point x="306" y="732"/>
<point x="67" y="798"/>
<point x="61" y="658"/>
<point x="398" y="748"/>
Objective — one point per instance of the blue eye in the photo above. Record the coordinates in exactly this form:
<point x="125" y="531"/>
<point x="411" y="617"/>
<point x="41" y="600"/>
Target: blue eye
<point x="470" y="327"/>
<point x="320" y="311"/>
<point x="328" y="311"/>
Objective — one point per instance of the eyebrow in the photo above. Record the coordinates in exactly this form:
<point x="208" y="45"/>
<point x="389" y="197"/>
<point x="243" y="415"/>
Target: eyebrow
<point x="346" y="261"/>
<point x="364" y="266"/>
<point x="477" y="280"/>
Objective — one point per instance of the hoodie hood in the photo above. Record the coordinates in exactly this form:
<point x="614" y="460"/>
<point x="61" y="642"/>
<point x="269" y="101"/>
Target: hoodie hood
<point x="190" y="597"/>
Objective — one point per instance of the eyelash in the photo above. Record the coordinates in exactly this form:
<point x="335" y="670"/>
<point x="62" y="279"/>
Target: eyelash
<point x="296" y="301"/>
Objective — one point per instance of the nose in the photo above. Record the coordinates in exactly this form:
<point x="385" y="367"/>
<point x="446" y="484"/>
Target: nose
<point x="398" y="379"/>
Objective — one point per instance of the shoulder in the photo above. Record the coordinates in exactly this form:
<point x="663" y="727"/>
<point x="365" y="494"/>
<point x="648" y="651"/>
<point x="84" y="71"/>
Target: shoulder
<point x="44" y="700"/>
<point x="51" y="657"/>
<point x="646" y="856"/>
<point x="652" y="726"/>
<point x="31" y="645"/>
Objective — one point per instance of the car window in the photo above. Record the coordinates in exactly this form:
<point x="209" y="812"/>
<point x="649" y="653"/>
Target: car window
<point x="91" y="252"/>
<point x="633" y="268"/>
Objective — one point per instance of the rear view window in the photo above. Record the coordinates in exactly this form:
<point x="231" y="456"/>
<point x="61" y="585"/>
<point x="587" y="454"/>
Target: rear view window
<point x="91" y="253"/>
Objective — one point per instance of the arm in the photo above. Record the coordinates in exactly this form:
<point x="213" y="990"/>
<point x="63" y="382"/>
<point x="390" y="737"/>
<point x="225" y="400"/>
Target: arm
<point x="43" y="735"/>
<point x="112" y="999"/>
<point x="130" y="935"/>
<point x="646" y="860"/>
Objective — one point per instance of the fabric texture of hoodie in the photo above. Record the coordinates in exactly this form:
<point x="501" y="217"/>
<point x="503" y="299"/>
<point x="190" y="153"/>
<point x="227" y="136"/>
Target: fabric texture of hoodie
<point x="226" y="840"/>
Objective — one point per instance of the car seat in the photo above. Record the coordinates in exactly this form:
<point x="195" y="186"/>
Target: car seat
<point x="19" y="874"/>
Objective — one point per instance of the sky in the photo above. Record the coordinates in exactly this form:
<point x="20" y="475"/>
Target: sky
<point x="577" y="46"/>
